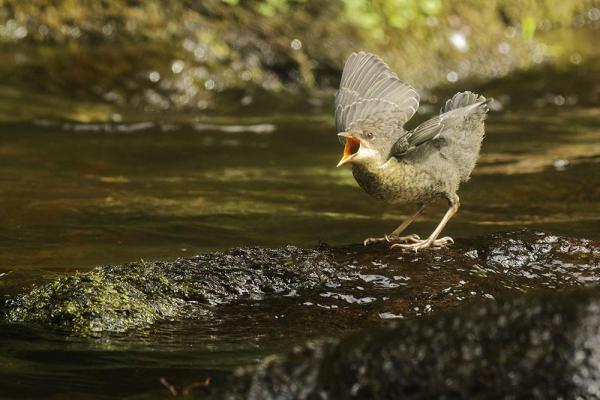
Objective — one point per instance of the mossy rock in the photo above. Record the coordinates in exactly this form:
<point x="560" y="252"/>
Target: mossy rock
<point x="137" y="295"/>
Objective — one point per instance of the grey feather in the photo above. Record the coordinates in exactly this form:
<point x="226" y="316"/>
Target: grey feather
<point x="459" y="107"/>
<point x="427" y="131"/>
<point x="368" y="87"/>
<point x="463" y="99"/>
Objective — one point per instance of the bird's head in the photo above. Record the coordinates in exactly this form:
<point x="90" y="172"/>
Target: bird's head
<point x="366" y="145"/>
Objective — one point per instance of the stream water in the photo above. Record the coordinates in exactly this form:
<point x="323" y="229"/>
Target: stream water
<point x="73" y="196"/>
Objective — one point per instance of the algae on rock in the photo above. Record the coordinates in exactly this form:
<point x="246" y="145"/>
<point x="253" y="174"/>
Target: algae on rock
<point x="135" y="295"/>
<point x="373" y="281"/>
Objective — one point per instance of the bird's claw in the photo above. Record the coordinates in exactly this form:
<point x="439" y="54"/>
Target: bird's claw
<point x="399" y="239"/>
<point x="423" y="244"/>
<point x="372" y="240"/>
<point x="392" y="239"/>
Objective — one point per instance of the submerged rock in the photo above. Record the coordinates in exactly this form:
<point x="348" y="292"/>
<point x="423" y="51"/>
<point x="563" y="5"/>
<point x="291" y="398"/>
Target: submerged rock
<point x="544" y="346"/>
<point x="374" y="283"/>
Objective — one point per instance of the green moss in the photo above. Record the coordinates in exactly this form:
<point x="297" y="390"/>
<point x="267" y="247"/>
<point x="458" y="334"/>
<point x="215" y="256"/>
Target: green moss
<point x="92" y="302"/>
<point x="135" y="295"/>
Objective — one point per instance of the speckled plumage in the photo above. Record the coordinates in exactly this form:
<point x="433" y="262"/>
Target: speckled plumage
<point x="432" y="170"/>
<point x="401" y="166"/>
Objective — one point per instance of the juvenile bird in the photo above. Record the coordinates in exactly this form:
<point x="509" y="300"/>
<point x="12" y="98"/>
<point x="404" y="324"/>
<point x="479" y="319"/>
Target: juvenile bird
<point x="405" y="166"/>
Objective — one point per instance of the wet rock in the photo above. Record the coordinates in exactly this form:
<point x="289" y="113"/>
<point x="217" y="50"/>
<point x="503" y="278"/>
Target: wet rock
<point x="543" y="346"/>
<point x="476" y="269"/>
<point x="117" y="298"/>
<point x="356" y="285"/>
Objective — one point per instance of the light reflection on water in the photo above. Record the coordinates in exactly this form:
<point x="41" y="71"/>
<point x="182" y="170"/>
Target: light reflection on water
<point x="77" y="199"/>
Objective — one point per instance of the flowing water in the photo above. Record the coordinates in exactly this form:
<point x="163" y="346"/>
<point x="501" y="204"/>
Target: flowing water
<point x="73" y="196"/>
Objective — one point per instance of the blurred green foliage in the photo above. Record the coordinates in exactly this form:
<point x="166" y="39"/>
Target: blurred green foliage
<point x="159" y="54"/>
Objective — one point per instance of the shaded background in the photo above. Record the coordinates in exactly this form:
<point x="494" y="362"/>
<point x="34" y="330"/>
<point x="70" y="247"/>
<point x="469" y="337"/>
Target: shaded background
<point x="154" y="129"/>
<point x="106" y="60"/>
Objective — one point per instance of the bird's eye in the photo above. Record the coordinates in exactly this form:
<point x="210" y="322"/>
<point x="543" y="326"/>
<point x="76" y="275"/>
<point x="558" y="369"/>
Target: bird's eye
<point x="369" y="135"/>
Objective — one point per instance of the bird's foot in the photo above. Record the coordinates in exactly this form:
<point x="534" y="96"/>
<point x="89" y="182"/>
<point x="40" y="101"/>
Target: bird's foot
<point x="423" y="244"/>
<point x="392" y="239"/>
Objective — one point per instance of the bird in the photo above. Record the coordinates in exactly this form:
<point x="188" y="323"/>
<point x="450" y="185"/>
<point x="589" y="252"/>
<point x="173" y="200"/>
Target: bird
<point x="400" y="166"/>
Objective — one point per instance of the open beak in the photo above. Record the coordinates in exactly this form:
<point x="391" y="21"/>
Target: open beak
<point x="350" y="149"/>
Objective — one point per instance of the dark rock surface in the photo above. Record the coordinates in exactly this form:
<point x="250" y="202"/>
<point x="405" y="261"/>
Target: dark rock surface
<point x="543" y="346"/>
<point x="351" y="283"/>
<point x="117" y="298"/>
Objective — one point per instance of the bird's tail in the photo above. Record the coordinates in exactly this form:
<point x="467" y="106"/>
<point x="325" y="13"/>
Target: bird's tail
<point x="468" y="100"/>
<point x="467" y="112"/>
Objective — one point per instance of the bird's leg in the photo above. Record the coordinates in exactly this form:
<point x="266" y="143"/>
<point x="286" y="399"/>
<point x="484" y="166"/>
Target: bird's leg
<point x="393" y="237"/>
<point x="432" y="240"/>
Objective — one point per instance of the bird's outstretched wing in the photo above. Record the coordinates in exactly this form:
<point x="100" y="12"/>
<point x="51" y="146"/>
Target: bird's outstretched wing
<point x="459" y="107"/>
<point x="368" y="87"/>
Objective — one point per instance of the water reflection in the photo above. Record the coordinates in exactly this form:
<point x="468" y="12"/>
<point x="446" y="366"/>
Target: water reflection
<point x="72" y="198"/>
